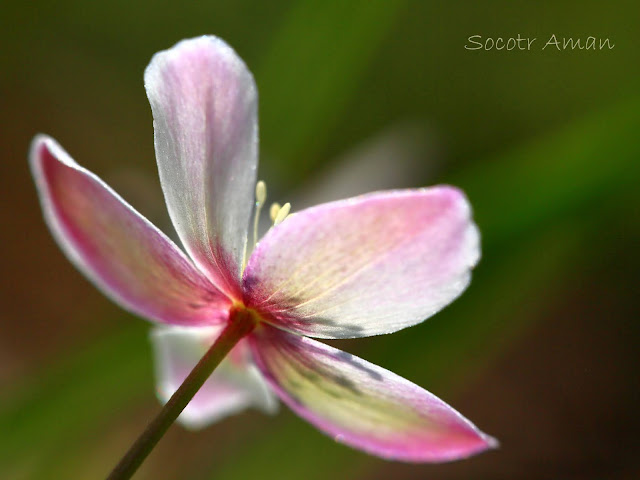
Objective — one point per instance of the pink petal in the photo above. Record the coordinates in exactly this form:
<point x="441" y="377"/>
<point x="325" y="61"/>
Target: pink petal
<point x="204" y="104"/>
<point x="364" y="266"/>
<point x="362" y="405"/>
<point x="128" y="258"/>
<point x="235" y="385"/>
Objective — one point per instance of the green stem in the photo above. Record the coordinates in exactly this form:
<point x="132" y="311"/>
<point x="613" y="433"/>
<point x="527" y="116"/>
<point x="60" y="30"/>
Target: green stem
<point x="241" y="323"/>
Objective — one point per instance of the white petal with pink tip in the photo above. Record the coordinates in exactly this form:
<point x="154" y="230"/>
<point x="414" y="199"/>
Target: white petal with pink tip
<point x="235" y="385"/>
<point x="204" y="103"/>
<point x="364" y="266"/>
<point x="128" y="258"/>
<point x="361" y="404"/>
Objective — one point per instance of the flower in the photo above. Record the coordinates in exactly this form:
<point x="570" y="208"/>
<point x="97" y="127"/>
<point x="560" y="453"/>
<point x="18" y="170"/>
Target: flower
<point x="364" y="266"/>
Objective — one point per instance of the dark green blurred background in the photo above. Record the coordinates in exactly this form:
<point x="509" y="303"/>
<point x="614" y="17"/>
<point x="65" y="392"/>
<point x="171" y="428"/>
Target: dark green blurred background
<point x="541" y="351"/>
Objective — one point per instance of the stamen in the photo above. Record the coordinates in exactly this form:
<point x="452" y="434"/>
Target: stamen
<point x="273" y="211"/>
<point x="282" y="214"/>
<point x="276" y="212"/>
<point x="261" y="196"/>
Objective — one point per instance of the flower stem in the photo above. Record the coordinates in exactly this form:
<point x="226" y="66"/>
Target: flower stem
<point x="241" y="323"/>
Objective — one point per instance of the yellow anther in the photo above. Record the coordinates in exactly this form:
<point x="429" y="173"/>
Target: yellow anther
<point x="273" y="211"/>
<point x="282" y="214"/>
<point x="261" y="192"/>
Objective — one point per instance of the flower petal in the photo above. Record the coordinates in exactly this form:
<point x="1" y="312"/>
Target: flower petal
<point x="235" y="385"/>
<point x="364" y="266"/>
<point x="118" y="249"/>
<point x="204" y="105"/>
<point x="362" y="405"/>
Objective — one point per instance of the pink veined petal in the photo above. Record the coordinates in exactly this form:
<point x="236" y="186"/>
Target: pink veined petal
<point x="204" y="104"/>
<point x="118" y="249"/>
<point x="364" y="266"/>
<point x="235" y="385"/>
<point x="362" y="405"/>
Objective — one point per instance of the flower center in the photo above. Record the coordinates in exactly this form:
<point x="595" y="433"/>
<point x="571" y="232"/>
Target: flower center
<point x="249" y="317"/>
<point x="240" y="313"/>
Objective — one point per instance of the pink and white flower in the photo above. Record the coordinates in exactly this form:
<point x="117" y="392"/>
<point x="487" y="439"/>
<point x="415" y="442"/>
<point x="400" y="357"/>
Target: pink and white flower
<point x="363" y="266"/>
